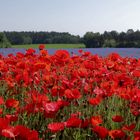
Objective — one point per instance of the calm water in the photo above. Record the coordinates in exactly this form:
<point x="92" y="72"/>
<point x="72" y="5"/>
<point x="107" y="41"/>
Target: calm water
<point x="125" y="52"/>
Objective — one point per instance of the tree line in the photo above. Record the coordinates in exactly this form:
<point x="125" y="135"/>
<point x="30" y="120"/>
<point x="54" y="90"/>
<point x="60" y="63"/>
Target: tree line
<point x="41" y="38"/>
<point x="112" y="39"/>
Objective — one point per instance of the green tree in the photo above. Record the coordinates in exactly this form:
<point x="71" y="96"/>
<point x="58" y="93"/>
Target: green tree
<point x="4" y="43"/>
<point x="109" y="43"/>
<point x="27" y="40"/>
<point x="92" y="40"/>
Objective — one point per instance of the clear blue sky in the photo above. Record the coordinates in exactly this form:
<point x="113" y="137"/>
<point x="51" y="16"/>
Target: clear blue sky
<point x="74" y="16"/>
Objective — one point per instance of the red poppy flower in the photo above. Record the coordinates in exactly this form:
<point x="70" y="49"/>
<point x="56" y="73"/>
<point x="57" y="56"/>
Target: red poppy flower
<point x="98" y="91"/>
<point x="30" y="51"/>
<point x="19" y="55"/>
<point x="114" y="56"/>
<point x="73" y="122"/>
<point x="32" y="135"/>
<point x="72" y="94"/>
<point x="11" y="118"/>
<point x="55" y="90"/>
<point x="31" y="108"/>
<point x="80" y="51"/>
<point x="4" y="123"/>
<point x="137" y="135"/>
<point x="12" y="103"/>
<point x="96" y="120"/>
<point x="56" y="127"/>
<point x="136" y="73"/>
<point x="116" y="134"/>
<point x="38" y="98"/>
<point x="62" y="56"/>
<point x="9" y="132"/>
<point x="25" y="133"/>
<point x="21" y="65"/>
<point x="117" y="118"/>
<point x="62" y="103"/>
<point x="26" y="77"/>
<point x="85" y="123"/>
<point x="82" y="72"/>
<point x="41" y="46"/>
<point x="110" y="64"/>
<point x="1" y="101"/>
<point x="135" y="108"/>
<point x="86" y="54"/>
<point x="39" y="65"/>
<point x="101" y="131"/>
<point x="129" y="127"/>
<point x="51" y="109"/>
<point x="77" y="114"/>
<point x="95" y="101"/>
<point x="68" y="94"/>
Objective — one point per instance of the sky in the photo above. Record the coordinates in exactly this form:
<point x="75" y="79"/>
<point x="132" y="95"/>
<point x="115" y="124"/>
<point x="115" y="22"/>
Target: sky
<point x="74" y="16"/>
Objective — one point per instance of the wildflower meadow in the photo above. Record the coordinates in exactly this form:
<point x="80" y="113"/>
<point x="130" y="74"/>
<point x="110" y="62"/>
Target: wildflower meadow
<point x="69" y="97"/>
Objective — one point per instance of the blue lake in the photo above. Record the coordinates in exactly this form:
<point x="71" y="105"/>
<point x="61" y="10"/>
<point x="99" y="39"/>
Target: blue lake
<point x="124" y="52"/>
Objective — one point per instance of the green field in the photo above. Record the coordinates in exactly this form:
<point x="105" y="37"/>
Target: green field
<point x="55" y="46"/>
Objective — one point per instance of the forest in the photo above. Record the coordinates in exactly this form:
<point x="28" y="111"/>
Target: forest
<point x="108" y="39"/>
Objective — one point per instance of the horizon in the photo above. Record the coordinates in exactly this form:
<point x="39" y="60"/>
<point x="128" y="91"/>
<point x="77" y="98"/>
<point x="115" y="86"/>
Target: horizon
<point x="73" y="34"/>
<point x="75" y="17"/>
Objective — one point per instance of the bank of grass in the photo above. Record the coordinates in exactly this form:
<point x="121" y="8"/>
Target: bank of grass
<point x="55" y="46"/>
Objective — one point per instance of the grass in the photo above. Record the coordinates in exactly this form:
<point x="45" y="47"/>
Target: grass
<point x="55" y="46"/>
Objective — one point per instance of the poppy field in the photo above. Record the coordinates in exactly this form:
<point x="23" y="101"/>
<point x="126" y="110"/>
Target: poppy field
<point x="69" y="97"/>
